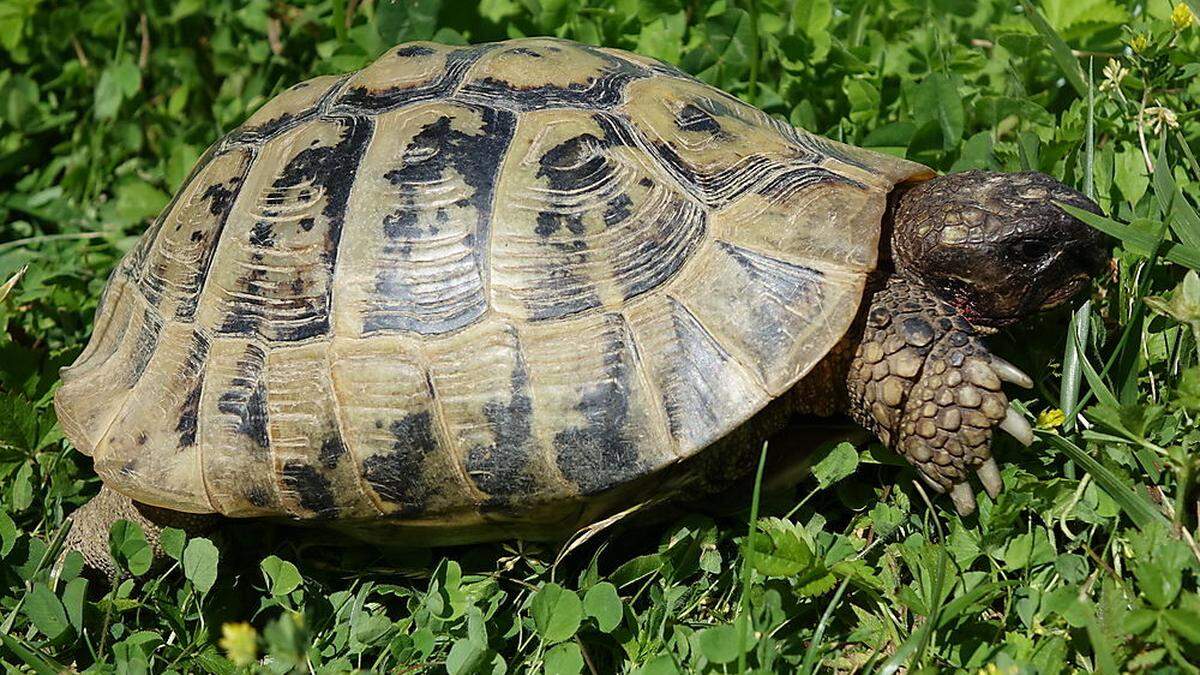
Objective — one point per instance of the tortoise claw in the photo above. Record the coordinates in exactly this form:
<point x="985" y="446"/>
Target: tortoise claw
<point x="963" y="498"/>
<point x="989" y="475"/>
<point x="1017" y="427"/>
<point x="1007" y="372"/>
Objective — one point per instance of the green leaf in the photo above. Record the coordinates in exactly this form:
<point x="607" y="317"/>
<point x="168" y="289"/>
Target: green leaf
<point x="8" y="534"/>
<point x="129" y="548"/>
<point x="46" y="611"/>
<point x="812" y="18"/>
<point x="282" y="576"/>
<point x="725" y="51"/>
<point x="564" y="659"/>
<point x="1135" y="505"/>
<point x="782" y="552"/>
<point x="1058" y="48"/>
<point x="200" y="564"/>
<point x="1182" y="218"/>
<point x="172" y="540"/>
<point x="33" y="656"/>
<point x="838" y="461"/>
<point x="1144" y="241"/>
<point x="723" y="644"/>
<point x="1129" y="173"/>
<point x="1185" y="623"/>
<point x="117" y="83"/>
<point x="557" y="613"/>
<point x="73" y="598"/>
<point x="602" y="603"/>
<point x="405" y="20"/>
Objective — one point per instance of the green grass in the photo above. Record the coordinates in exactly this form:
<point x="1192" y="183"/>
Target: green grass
<point x="1086" y="562"/>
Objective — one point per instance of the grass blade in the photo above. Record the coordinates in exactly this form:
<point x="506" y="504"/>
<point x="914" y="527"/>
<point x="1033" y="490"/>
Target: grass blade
<point x="810" y="654"/>
<point x="1058" y="48"/>
<point x="963" y="602"/>
<point x="1089" y="151"/>
<point x="1095" y="381"/>
<point x="747" y="570"/>
<point x="1135" y="505"/>
<point x="31" y="656"/>
<point x="1184" y="220"/>
<point x="1181" y="254"/>
<point x="1077" y="336"/>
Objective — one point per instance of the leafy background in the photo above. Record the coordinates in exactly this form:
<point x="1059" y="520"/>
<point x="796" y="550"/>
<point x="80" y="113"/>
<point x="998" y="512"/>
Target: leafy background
<point x="1087" y="561"/>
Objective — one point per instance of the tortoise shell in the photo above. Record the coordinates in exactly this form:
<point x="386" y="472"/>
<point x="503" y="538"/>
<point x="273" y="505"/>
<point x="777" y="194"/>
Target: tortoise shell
<point x="464" y="280"/>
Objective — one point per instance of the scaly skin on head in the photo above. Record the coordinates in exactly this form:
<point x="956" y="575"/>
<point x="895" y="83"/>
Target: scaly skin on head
<point x="972" y="252"/>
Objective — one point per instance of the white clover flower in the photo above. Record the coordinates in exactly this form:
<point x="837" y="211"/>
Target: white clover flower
<point x="1161" y="118"/>
<point x="1114" y="73"/>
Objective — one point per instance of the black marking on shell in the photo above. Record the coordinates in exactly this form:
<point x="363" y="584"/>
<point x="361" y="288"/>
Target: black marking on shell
<point x="412" y="50"/>
<point x="580" y="165"/>
<point x="601" y="453"/>
<point x="258" y="497"/>
<point x="396" y="476"/>
<point x="247" y="400"/>
<point x="287" y="120"/>
<point x="332" y="168"/>
<point x="190" y="410"/>
<point x="457" y="64"/>
<point x="404" y="299"/>
<point x="502" y="470"/>
<point x="220" y="198"/>
<point x="597" y="93"/>
<point x="692" y="118"/>
<point x="145" y="345"/>
<point x="310" y="488"/>
<point x="332" y="450"/>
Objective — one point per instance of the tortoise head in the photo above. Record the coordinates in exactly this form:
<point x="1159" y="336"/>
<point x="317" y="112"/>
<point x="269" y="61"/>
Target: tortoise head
<point x="995" y="245"/>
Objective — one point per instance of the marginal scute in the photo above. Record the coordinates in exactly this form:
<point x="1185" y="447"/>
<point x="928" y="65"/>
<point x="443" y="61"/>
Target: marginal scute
<point x="143" y="454"/>
<point x="316" y="474"/>
<point x="234" y="430"/>
<point x="703" y="389"/>
<point x="593" y="402"/>
<point x="391" y="420"/>
<point x="96" y="386"/>
<point x="483" y="385"/>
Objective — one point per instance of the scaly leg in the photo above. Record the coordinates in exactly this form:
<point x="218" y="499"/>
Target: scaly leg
<point x="924" y="383"/>
<point x="90" y="525"/>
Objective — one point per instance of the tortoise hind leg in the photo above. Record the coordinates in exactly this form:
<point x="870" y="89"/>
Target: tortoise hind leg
<point x="91" y="523"/>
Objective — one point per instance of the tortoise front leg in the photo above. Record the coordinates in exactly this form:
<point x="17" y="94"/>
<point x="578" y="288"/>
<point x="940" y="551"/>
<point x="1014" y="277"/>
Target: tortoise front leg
<point x="924" y="383"/>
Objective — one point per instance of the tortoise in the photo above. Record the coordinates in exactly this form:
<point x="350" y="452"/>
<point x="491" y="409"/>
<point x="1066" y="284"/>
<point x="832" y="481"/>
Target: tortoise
<point x="491" y="291"/>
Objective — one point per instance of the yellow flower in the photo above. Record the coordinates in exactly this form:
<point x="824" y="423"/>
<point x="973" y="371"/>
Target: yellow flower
<point x="1182" y="16"/>
<point x="1051" y="418"/>
<point x="1139" y="43"/>
<point x="240" y="642"/>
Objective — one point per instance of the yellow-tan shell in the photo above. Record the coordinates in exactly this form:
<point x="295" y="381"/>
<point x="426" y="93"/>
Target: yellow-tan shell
<point x="467" y="279"/>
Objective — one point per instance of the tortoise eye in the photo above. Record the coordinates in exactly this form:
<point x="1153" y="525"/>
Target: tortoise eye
<point x="1030" y="250"/>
